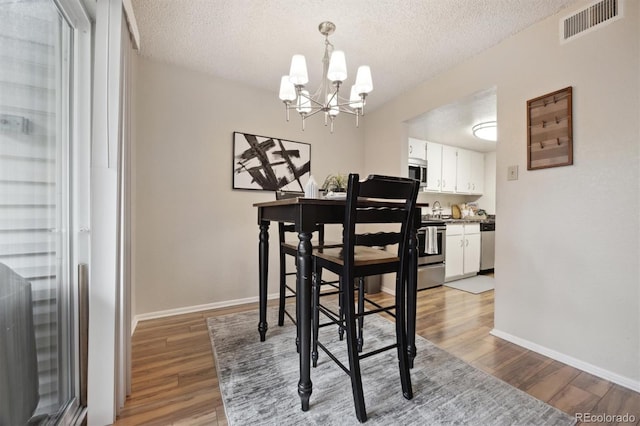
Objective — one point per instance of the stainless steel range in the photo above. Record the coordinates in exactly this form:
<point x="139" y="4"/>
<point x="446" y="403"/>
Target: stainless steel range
<point x="431" y="249"/>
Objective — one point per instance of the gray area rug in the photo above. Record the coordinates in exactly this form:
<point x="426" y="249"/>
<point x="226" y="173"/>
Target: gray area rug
<point x="258" y="381"/>
<point x="475" y="285"/>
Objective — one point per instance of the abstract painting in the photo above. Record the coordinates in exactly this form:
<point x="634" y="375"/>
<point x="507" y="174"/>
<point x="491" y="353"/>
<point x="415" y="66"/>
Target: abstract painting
<point x="269" y="164"/>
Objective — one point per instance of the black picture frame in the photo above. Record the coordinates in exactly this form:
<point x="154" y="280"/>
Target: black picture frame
<point x="266" y="163"/>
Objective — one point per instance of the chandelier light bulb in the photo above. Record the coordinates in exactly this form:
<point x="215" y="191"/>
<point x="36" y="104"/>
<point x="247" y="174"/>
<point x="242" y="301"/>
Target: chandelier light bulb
<point x="355" y="101"/>
<point x="298" y="72"/>
<point x="364" y="83"/>
<point x="287" y="90"/>
<point x="332" y="102"/>
<point x="337" y="67"/>
<point x="304" y="104"/>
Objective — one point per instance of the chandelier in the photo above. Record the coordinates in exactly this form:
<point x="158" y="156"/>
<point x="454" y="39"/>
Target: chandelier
<point x="327" y="98"/>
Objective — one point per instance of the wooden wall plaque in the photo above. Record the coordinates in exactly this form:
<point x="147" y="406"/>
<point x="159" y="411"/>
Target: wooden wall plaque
<point x="549" y="130"/>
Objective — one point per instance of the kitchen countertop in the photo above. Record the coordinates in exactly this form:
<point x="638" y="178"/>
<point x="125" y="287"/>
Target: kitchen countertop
<point x="468" y="220"/>
<point x="474" y="219"/>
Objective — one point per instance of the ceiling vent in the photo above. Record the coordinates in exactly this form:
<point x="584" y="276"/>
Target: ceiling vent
<point x="590" y="18"/>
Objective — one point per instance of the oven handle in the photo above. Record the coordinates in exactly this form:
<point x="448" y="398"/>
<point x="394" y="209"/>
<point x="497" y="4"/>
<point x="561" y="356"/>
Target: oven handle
<point x="439" y="228"/>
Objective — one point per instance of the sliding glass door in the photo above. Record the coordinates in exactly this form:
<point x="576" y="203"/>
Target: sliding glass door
<point x="38" y="302"/>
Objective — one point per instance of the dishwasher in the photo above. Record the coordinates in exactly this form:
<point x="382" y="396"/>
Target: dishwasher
<point x="487" y="245"/>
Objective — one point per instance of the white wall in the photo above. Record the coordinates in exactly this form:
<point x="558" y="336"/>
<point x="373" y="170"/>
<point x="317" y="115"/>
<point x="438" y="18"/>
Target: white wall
<point x="196" y="239"/>
<point x="567" y="242"/>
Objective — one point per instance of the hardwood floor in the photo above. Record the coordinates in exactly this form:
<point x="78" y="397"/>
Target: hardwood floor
<point x="174" y="377"/>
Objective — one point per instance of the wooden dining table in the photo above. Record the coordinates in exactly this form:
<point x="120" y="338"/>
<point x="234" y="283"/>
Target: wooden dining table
<point x="305" y="214"/>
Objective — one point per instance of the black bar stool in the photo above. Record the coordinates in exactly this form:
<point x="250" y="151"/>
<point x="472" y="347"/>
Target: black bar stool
<point x="378" y="200"/>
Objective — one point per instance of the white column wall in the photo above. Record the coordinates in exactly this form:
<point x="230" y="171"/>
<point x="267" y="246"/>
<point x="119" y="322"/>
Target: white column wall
<point x="103" y="292"/>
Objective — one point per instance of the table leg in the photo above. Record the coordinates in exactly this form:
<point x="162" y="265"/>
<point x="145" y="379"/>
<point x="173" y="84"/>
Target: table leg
<point x="412" y="295"/>
<point x="263" y="261"/>
<point x="304" y="320"/>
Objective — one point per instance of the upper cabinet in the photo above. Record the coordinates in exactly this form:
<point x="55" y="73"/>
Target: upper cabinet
<point x="417" y="149"/>
<point x="477" y="172"/>
<point x="463" y="172"/>
<point x="450" y="169"/>
<point x="470" y="172"/>
<point x="434" y="167"/>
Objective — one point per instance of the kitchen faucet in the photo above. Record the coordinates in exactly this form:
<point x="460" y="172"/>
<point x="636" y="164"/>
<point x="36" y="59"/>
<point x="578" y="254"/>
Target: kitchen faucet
<point x="436" y="211"/>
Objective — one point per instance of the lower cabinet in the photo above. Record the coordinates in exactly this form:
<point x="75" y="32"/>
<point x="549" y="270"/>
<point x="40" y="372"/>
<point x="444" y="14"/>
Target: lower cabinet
<point x="462" y="252"/>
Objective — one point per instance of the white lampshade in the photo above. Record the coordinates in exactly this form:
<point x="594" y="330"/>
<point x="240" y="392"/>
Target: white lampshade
<point x="355" y="100"/>
<point x="304" y="104"/>
<point x="364" y="83"/>
<point x="332" y="100"/>
<point x="298" y="72"/>
<point x="287" y="90"/>
<point x="337" y="67"/>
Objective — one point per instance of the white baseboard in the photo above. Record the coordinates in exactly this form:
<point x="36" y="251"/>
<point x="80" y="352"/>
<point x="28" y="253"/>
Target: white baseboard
<point x="196" y="308"/>
<point x="388" y="290"/>
<point x="134" y="324"/>
<point x="208" y="306"/>
<point x="573" y="362"/>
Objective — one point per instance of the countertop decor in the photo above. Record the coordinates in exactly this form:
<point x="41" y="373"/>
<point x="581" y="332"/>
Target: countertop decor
<point x="335" y="183"/>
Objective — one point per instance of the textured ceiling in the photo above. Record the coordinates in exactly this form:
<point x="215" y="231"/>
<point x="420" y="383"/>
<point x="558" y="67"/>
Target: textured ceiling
<point x="404" y="41"/>
<point x="451" y="124"/>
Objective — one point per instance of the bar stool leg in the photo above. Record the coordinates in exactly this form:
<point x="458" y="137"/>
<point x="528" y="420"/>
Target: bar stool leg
<point x="401" y="338"/>
<point x="360" y="312"/>
<point x="352" y="349"/>
<point x="283" y="289"/>
<point x="341" y="310"/>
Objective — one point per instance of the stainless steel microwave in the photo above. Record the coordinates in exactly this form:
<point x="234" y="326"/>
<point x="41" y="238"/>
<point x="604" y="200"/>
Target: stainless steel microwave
<point x="418" y="170"/>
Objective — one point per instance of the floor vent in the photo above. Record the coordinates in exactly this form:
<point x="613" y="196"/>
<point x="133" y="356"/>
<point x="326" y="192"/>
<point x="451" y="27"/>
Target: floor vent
<point x="589" y="19"/>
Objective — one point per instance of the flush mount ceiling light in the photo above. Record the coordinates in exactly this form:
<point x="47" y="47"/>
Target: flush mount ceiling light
<point x="487" y="130"/>
<point x="327" y="98"/>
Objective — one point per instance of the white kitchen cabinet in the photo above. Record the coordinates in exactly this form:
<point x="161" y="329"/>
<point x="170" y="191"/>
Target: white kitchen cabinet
<point x="462" y="252"/>
<point x="417" y="149"/>
<point x="470" y="172"/>
<point x="471" y="249"/>
<point x="454" y="251"/>
<point x="463" y="172"/>
<point x="451" y="169"/>
<point x="477" y="172"/>
<point x="434" y="167"/>
<point x="449" y="166"/>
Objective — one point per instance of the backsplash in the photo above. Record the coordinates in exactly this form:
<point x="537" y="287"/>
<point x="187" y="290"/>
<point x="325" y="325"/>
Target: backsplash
<point x="446" y="201"/>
